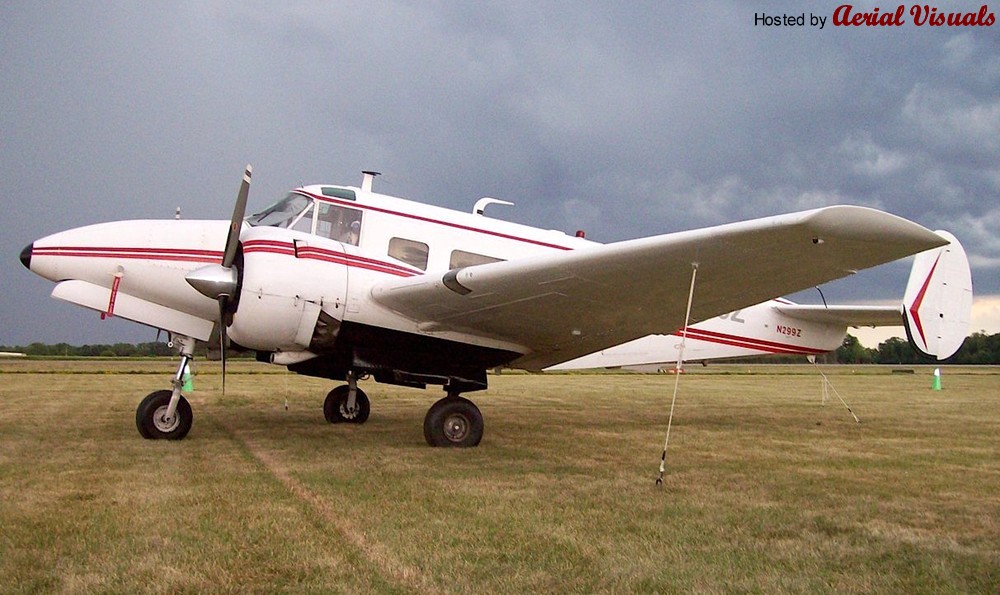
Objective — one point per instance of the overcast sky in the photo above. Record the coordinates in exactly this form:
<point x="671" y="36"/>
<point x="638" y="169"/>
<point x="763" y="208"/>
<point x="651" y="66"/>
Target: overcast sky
<point x="623" y="119"/>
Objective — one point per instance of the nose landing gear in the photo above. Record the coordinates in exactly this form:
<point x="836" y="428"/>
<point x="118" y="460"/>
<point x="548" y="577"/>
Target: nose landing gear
<point x="347" y="403"/>
<point x="166" y="414"/>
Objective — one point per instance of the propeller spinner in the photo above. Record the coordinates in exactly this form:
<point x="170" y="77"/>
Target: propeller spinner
<point x="221" y="281"/>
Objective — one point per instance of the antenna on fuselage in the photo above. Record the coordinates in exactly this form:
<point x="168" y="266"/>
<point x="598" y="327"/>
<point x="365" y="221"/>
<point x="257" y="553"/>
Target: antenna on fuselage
<point x="177" y="213"/>
<point x="485" y="201"/>
<point x="366" y="181"/>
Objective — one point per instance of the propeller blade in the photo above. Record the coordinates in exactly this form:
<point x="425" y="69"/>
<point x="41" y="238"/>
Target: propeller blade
<point x="221" y="282"/>
<point x="223" y="338"/>
<point x="237" y="221"/>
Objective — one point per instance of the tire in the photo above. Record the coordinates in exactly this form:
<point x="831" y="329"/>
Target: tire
<point x="148" y="417"/>
<point x="453" y="422"/>
<point x="335" y="406"/>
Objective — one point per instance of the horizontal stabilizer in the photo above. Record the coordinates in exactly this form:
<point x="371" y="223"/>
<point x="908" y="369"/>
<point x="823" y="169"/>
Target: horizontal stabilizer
<point x="856" y="316"/>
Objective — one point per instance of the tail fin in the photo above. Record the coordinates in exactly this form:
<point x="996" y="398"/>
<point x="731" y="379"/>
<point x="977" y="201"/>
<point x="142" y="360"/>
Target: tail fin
<point x="937" y="305"/>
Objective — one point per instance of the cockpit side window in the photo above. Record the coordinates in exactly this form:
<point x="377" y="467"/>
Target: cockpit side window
<point x="339" y="223"/>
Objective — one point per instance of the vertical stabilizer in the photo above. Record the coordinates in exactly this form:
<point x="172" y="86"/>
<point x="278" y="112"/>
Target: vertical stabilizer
<point x="937" y="305"/>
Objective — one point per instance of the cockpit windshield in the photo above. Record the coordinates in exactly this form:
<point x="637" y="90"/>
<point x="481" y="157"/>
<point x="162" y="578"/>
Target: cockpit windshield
<point x="285" y="213"/>
<point x="297" y="212"/>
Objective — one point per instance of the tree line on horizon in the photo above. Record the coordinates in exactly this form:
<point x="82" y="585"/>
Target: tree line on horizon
<point x="978" y="349"/>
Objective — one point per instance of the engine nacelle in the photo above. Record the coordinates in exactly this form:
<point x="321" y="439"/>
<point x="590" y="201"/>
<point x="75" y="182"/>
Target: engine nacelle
<point x="288" y="278"/>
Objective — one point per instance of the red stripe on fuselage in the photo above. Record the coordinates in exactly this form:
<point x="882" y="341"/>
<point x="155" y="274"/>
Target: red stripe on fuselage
<point x="749" y="343"/>
<point x="325" y="255"/>
<point x="207" y="256"/>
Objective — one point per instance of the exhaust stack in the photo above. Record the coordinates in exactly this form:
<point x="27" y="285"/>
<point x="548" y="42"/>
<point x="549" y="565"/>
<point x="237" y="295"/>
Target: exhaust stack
<point x="366" y="181"/>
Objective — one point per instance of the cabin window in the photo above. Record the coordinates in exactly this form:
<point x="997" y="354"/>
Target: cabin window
<point x="461" y="258"/>
<point x="290" y="211"/>
<point x="334" y="192"/>
<point x="411" y="252"/>
<point x="339" y="223"/>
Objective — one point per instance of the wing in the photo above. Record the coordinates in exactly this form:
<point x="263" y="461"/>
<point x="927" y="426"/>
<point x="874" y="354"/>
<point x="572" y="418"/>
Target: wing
<point x="846" y="315"/>
<point x="565" y="305"/>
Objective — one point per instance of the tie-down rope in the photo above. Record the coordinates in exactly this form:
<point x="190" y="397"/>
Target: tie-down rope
<point x="677" y="372"/>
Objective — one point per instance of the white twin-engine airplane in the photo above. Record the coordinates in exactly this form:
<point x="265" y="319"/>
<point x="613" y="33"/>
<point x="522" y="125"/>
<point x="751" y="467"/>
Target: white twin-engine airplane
<point x="340" y="282"/>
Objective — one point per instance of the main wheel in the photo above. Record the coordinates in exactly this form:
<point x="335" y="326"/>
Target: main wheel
<point x="453" y="421"/>
<point x="151" y="421"/>
<point x="335" y="406"/>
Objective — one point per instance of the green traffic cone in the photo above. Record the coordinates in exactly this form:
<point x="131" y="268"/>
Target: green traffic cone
<point x="937" y="379"/>
<point x="188" y="379"/>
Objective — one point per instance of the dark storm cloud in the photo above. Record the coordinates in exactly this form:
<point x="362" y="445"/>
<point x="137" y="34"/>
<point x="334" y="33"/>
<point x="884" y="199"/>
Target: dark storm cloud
<point x="623" y="121"/>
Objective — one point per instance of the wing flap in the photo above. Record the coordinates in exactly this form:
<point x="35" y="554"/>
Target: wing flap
<point x="561" y="306"/>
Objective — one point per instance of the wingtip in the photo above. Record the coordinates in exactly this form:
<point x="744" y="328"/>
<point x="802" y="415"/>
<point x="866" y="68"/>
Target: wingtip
<point x="867" y="222"/>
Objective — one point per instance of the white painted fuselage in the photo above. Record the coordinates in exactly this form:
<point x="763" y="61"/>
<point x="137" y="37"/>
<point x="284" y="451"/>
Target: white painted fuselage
<point x="291" y="272"/>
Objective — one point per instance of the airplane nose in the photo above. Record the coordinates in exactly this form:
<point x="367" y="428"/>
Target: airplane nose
<point x="26" y="256"/>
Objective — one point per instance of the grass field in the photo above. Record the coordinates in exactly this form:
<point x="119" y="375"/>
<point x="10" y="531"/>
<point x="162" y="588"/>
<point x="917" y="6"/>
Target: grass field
<point x="767" y="489"/>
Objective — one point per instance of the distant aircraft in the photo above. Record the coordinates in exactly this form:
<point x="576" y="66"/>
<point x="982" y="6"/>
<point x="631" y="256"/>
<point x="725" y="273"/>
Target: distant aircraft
<point x="935" y="313"/>
<point x="341" y="282"/>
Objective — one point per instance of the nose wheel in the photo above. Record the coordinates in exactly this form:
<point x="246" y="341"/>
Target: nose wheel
<point x="154" y="422"/>
<point x="453" y="421"/>
<point x="337" y="408"/>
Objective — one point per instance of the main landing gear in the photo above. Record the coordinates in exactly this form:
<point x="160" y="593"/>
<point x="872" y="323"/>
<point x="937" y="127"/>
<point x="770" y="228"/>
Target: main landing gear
<point x="166" y="414"/>
<point x="453" y="421"/>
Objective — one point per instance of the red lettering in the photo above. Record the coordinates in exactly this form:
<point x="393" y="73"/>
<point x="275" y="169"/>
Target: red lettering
<point x="842" y="17"/>
<point x="897" y="17"/>
<point x="923" y="14"/>
<point x="929" y="15"/>
<point x="989" y="18"/>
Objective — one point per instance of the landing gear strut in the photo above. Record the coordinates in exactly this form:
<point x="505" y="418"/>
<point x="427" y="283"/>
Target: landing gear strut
<point x="166" y="414"/>
<point x="453" y="421"/>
